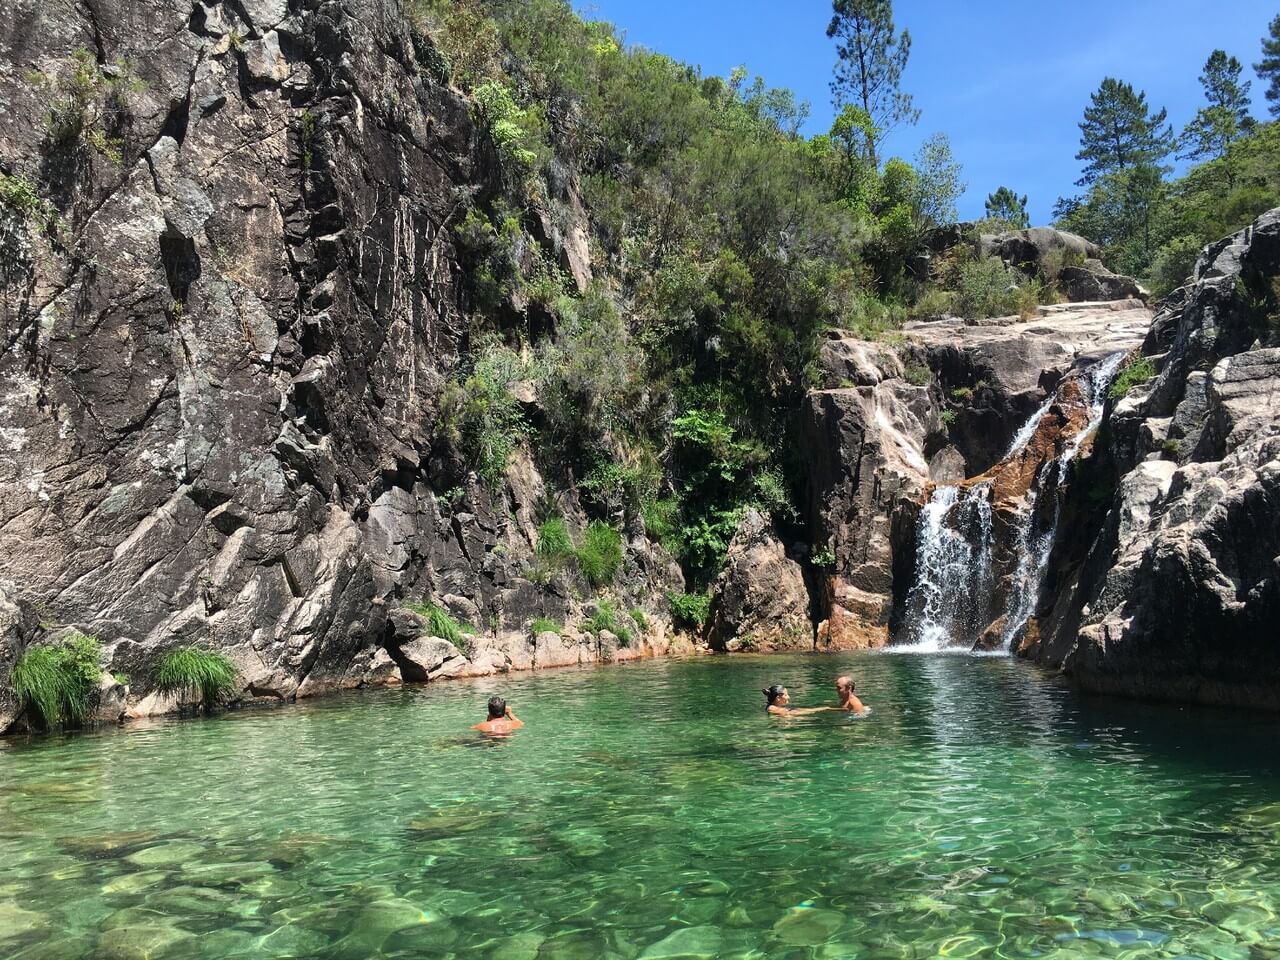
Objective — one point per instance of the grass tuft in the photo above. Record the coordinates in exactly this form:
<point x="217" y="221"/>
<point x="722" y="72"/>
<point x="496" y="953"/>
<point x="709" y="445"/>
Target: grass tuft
<point x="441" y="624"/>
<point x="192" y="672"/>
<point x="544" y="625"/>
<point x="600" y="556"/>
<point x="1139" y="371"/>
<point x="55" y="684"/>
<point x="606" y="618"/>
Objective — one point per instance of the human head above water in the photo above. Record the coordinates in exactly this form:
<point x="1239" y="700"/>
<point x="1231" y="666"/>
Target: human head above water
<point x="844" y="684"/>
<point x="497" y="708"/>
<point x="776" y="695"/>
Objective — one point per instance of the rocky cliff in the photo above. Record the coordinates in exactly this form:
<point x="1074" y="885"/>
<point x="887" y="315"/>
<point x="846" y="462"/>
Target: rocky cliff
<point x="1167" y="578"/>
<point x="225" y="326"/>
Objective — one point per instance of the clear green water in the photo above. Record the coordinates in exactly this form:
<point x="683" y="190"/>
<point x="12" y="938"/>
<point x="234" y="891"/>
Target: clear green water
<point x="653" y="811"/>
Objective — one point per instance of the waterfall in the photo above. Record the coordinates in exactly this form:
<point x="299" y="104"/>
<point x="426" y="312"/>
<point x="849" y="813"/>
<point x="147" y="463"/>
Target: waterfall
<point x="953" y="564"/>
<point x="1034" y="551"/>
<point x="951" y="600"/>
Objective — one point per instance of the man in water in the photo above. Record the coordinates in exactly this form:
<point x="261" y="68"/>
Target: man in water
<point x="501" y="720"/>
<point x="848" y="699"/>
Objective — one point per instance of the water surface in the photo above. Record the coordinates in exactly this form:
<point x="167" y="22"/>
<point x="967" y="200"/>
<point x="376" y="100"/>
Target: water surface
<point x="651" y="811"/>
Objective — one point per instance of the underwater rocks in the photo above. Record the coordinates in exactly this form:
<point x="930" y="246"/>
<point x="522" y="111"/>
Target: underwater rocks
<point x="1178" y="593"/>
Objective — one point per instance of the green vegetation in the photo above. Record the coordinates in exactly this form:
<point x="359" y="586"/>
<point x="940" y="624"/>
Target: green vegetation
<point x="1007" y="209"/>
<point x="962" y="394"/>
<point x="1268" y="68"/>
<point x="1172" y="448"/>
<point x="441" y="624"/>
<point x="87" y="106"/>
<point x="988" y="288"/>
<point x="56" y="684"/>
<point x="690" y="609"/>
<point x="917" y="374"/>
<point x="639" y="617"/>
<point x="481" y="415"/>
<point x="544" y="625"/>
<point x="823" y="558"/>
<point x="600" y="556"/>
<point x="555" y="545"/>
<point x="606" y="618"/>
<point x="1136" y="372"/>
<point x="948" y="417"/>
<point x="191" y="672"/>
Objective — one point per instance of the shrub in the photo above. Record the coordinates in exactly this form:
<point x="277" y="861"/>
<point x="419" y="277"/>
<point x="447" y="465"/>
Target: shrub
<point x="933" y="302"/>
<point x="600" y="556"/>
<point x="1138" y="371"/>
<point x="948" y="417"/>
<point x="441" y="624"/>
<point x="555" y="545"/>
<point x="661" y="519"/>
<point x="1171" y="447"/>
<point x="482" y="416"/>
<point x="962" y="394"/>
<point x="917" y="374"/>
<point x="191" y="671"/>
<point x="824" y="558"/>
<point x="544" y="625"/>
<point x="606" y="618"/>
<point x="614" y="487"/>
<point x="55" y="684"/>
<point x="638" y="616"/>
<point x="516" y="133"/>
<point x="990" y="289"/>
<point x="690" y="609"/>
<point x="771" y="493"/>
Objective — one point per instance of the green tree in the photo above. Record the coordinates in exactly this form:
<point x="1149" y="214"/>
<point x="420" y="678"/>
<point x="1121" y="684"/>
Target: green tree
<point x="868" y="72"/>
<point x="1006" y="206"/>
<point x="1120" y="132"/>
<point x="1268" y="68"/>
<point x="938" y="183"/>
<point x="1226" y="117"/>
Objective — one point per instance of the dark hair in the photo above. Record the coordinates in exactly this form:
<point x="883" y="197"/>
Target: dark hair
<point x="773" y="693"/>
<point x="497" y="708"/>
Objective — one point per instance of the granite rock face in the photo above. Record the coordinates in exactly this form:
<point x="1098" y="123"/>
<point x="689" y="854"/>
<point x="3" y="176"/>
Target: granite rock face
<point x="219" y="373"/>
<point x="761" y="601"/>
<point x="1178" y="596"/>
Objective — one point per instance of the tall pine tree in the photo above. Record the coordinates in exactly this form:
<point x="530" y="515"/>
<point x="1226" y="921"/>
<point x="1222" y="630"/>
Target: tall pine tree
<point x="1226" y="118"/>
<point x="868" y="73"/>
<point x="1006" y="206"/>
<point x="1119" y="132"/>
<point x="1269" y="68"/>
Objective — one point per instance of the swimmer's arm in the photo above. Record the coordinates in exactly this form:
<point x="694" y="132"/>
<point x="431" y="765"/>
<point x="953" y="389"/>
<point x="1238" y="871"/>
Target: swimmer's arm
<point x="516" y="722"/>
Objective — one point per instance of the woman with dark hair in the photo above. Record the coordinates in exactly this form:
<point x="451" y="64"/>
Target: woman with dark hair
<point x="779" y="701"/>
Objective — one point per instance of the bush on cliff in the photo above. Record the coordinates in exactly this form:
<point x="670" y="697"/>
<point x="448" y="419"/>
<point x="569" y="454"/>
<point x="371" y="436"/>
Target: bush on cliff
<point x="441" y="624"/>
<point x="193" y="673"/>
<point x="1138" y="371"/>
<point x="600" y="556"/>
<point x="55" y="684"/>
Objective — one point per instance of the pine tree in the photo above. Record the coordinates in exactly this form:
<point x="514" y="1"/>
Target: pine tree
<point x="1226" y="118"/>
<point x="868" y="73"/>
<point x="1269" y="68"/>
<point x="1119" y="132"/>
<point x="1007" y="207"/>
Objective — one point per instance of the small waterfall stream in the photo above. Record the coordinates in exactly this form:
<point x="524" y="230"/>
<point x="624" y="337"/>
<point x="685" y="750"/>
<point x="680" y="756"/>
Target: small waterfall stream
<point x="951" y="601"/>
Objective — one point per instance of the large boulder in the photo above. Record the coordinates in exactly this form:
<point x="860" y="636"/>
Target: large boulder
<point x="867" y="472"/>
<point x="760" y="601"/>
<point x="1178" y="595"/>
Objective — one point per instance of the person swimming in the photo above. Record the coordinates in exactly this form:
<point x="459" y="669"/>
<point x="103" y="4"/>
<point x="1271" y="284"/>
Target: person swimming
<point x="778" y="700"/>
<point x="848" y="699"/>
<point x="502" y="721"/>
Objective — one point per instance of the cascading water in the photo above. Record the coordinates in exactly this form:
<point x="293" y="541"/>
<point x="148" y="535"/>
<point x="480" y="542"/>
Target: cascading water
<point x="951" y="601"/>
<point x="953" y="563"/>
<point x="1033" y="550"/>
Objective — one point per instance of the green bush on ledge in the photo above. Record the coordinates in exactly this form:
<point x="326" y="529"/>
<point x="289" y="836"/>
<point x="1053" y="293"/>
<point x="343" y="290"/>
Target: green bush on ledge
<point x="55" y="684"/>
<point x="192" y="672"/>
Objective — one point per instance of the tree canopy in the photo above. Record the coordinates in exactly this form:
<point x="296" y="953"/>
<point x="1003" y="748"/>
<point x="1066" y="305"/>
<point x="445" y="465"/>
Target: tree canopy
<point x="1119" y="132"/>
<point x="1006" y="206"/>
<point x="868" y="73"/>
<point x="1268" y="68"/>
<point x="1226" y="115"/>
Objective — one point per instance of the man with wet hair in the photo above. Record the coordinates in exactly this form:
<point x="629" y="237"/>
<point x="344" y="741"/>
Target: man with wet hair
<point x="848" y="699"/>
<point x="501" y="720"/>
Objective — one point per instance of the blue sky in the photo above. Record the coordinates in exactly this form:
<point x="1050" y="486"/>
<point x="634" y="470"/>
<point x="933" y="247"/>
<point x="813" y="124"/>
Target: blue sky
<point x="1006" y="80"/>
